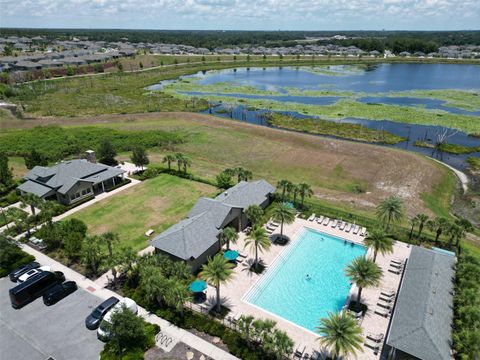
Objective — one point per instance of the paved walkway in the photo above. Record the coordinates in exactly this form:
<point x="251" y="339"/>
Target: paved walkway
<point x="175" y="333"/>
<point x="17" y="205"/>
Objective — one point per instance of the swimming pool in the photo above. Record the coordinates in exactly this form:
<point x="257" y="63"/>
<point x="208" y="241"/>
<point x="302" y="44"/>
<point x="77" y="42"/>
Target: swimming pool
<point x="307" y="280"/>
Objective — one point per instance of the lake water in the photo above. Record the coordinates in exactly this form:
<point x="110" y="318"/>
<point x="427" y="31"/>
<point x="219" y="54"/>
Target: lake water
<point x="369" y="82"/>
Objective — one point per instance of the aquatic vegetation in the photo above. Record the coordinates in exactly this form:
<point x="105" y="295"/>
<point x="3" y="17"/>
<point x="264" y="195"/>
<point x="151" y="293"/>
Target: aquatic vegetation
<point x="462" y="99"/>
<point x="474" y="163"/>
<point x="449" y="148"/>
<point x="333" y="128"/>
<point x="336" y="70"/>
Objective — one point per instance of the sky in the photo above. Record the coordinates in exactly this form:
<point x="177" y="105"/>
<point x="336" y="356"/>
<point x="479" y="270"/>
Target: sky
<point x="243" y="14"/>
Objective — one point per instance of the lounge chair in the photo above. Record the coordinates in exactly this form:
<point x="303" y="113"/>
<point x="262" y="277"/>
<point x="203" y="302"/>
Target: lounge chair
<point x="363" y="232"/>
<point x="326" y="221"/>
<point x="356" y="230"/>
<point x="348" y="228"/>
<point x="396" y="271"/>
<point x="312" y="217"/>
<point x="383" y="312"/>
<point x="299" y="353"/>
<point x="274" y="223"/>
<point x="387" y="300"/>
<point x="397" y="262"/>
<point x="385" y="306"/>
<point x="320" y="219"/>
<point x="388" y="293"/>
<point x="375" y="337"/>
<point x="342" y="226"/>
<point x="375" y="346"/>
<point x="334" y="223"/>
<point x="396" y="266"/>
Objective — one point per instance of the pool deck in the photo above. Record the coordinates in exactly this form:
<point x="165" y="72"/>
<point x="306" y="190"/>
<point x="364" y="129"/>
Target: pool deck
<point x="232" y="293"/>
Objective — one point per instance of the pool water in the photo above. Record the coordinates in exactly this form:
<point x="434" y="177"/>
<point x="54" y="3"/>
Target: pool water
<point x="307" y="280"/>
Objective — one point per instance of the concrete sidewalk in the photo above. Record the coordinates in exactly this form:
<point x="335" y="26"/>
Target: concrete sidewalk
<point x="177" y="334"/>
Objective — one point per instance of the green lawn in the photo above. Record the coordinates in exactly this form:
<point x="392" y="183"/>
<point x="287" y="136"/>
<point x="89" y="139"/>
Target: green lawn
<point x="154" y="204"/>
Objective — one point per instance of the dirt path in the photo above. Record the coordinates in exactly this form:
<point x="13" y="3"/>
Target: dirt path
<point x="461" y="175"/>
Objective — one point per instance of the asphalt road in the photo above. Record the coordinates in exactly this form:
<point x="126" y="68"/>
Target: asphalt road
<point x="37" y="332"/>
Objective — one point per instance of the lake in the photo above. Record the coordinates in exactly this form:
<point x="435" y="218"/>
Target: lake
<point x="404" y="85"/>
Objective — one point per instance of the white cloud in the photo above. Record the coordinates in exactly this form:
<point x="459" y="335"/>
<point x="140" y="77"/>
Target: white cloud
<point x="243" y="14"/>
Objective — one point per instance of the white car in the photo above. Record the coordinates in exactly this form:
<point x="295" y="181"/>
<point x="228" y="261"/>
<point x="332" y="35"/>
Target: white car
<point x="32" y="272"/>
<point x="102" y="333"/>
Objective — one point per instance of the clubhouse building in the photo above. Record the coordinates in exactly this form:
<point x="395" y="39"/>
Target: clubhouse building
<point x="195" y="238"/>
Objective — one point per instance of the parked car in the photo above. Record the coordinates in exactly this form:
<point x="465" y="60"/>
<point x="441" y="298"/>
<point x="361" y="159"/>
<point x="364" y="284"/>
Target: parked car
<point x="95" y="318"/>
<point x="34" y="287"/>
<point x="58" y="292"/>
<point x="38" y="243"/>
<point x="102" y="332"/>
<point x="32" y="272"/>
<point x="15" y="274"/>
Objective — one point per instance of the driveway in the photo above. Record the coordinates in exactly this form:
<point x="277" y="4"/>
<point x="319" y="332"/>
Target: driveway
<point x="37" y="332"/>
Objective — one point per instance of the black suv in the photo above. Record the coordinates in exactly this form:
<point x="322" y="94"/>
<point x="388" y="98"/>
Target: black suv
<point x="58" y="292"/>
<point x="15" y="274"/>
<point x="95" y="318"/>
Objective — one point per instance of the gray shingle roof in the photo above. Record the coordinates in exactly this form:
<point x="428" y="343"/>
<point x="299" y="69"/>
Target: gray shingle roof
<point x="64" y="175"/>
<point x="245" y="194"/>
<point x="421" y="323"/>
<point x="35" y="188"/>
<point x="189" y="238"/>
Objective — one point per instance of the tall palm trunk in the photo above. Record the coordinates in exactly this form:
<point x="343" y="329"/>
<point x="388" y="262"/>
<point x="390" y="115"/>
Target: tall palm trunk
<point x="32" y="209"/>
<point x="303" y="199"/>
<point x="411" y="232"/>
<point x="374" y="255"/>
<point x="359" y="297"/>
<point x="439" y="232"/>
<point x="218" y="299"/>
<point x="281" y="229"/>
<point x="256" y="257"/>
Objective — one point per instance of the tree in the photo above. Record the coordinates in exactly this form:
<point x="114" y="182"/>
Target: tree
<point x="31" y="200"/>
<point x="179" y="158"/>
<point x="127" y="332"/>
<point x="283" y="184"/>
<point x="363" y="273"/>
<point x="243" y="174"/>
<point x="224" y="180"/>
<point x="341" y="334"/>
<point x="72" y="244"/>
<point x="186" y="162"/>
<point x="92" y="253"/>
<point x="110" y="238"/>
<point x="217" y="271"/>
<point x="48" y="209"/>
<point x="464" y="226"/>
<point x="305" y="191"/>
<point x="422" y="220"/>
<point x="245" y="326"/>
<point x="413" y="223"/>
<point x="294" y="190"/>
<point x="169" y="159"/>
<point x="439" y="225"/>
<point x="390" y="211"/>
<point x="177" y="295"/>
<point x="153" y="283"/>
<point x="5" y="173"/>
<point x="258" y="240"/>
<point x="34" y="158"/>
<point x="378" y="241"/>
<point x="228" y="236"/>
<point x="140" y="157"/>
<point x="11" y="255"/>
<point x="254" y="213"/>
<point x="283" y="214"/>
<point x="107" y="153"/>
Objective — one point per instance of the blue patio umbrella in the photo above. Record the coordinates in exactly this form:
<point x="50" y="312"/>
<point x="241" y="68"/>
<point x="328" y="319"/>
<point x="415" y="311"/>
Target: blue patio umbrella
<point x="198" y="286"/>
<point x="231" y="255"/>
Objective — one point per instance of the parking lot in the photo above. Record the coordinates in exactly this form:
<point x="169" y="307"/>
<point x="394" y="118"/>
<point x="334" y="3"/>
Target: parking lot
<point x="38" y="332"/>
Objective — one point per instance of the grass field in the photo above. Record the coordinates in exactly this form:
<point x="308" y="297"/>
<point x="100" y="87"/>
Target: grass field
<point x="154" y="204"/>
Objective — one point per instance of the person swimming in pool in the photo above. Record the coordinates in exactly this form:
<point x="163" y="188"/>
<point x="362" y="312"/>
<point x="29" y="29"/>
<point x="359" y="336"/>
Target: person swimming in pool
<point x="307" y="277"/>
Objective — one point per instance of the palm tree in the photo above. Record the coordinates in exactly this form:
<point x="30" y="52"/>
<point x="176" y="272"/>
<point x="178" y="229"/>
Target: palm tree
<point x="422" y="220"/>
<point x="283" y="214"/>
<point x="283" y="345"/>
<point x="32" y="200"/>
<point x="390" y="210"/>
<point x="217" y="271"/>
<point x="245" y="324"/>
<point x="109" y="238"/>
<point x="379" y="241"/>
<point x="177" y="295"/>
<point x="179" y="158"/>
<point x="294" y="189"/>
<point x="228" y="236"/>
<point x="153" y="283"/>
<point x="305" y="191"/>
<point x="258" y="240"/>
<point x="283" y="184"/>
<point x="169" y="159"/>
<point x="254" y="213"/>
<point x="291" y="188"/>
<point x="186" y="162"/>
<point x="439" y="225"/>
<point x="243" y="174"/>
<point x="413" y="223"/>
<point x="464" y="226"/>
<point x="363" y="273"/>
<point x="48" y="211"/>
<point x="92" y="253"/>
<point x="341" y="334"/>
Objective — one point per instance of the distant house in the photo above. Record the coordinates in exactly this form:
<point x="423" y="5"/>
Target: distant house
<point x="70" y="181"/>
<point x="195" y="238"/>
<point x="422" y="322"/>
<point x="26" y="65"/>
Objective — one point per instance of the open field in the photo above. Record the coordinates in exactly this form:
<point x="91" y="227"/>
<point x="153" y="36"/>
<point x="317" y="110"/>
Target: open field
<point x="335" y="169"/>
<point x="154" y="204"/>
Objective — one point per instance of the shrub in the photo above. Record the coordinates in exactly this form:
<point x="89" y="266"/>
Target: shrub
<point x="11" y="256"/>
